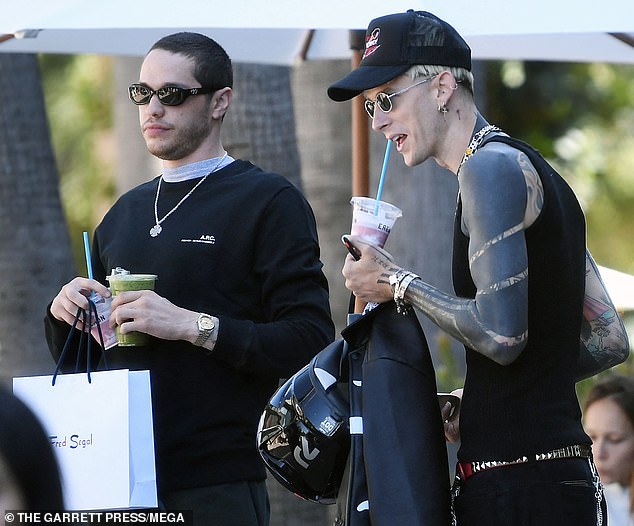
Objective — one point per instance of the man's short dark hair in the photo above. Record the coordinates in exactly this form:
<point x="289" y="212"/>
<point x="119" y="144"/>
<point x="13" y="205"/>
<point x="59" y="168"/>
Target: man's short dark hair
<point x="212" y="65"/>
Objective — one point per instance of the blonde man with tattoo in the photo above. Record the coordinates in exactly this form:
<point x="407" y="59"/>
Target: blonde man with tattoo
<point x="529" y="304"/>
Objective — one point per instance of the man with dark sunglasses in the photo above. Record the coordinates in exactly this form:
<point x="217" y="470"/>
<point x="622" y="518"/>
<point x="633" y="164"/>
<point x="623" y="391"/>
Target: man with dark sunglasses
<point x="240" y="300"/>
<point x="141" y="94"/>
<point x="529" y="304"/>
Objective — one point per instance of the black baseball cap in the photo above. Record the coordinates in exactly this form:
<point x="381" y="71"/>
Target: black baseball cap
<point x="394" y="43"/>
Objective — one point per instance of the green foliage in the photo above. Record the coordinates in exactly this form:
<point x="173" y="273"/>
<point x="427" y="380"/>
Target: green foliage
<point x="581" y="117"/>
<point x="449" y="374"/>
<point x="78" y="94"/>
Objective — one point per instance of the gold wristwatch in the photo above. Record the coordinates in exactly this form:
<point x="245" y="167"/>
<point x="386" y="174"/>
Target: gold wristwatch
<point x="206" y="327"/>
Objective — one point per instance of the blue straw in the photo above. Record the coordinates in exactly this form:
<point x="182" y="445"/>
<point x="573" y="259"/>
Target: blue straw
<point x="87" y="250"/>
<point x="382" y="179"/>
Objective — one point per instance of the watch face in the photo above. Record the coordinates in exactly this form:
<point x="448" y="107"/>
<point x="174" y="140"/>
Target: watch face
<point x="206" y="323"/>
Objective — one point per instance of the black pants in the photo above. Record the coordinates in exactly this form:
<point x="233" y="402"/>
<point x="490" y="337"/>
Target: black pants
<point x="243" y="503"/>
<point x="545" y="493"/>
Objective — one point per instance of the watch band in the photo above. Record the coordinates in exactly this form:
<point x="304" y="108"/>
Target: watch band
<point x="206" y="327"/>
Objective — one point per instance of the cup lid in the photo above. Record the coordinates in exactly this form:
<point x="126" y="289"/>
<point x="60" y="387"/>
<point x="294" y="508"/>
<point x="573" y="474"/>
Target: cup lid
<point x="369" y="202"/>
<point x="131" y="277"/>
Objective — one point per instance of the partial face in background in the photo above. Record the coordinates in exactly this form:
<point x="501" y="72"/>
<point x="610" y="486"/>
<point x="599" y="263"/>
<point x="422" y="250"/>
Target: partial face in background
<point x="613" y="441"/>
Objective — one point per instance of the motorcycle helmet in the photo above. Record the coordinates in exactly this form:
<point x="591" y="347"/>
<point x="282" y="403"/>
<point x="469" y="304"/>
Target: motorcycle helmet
<point x="303" y="435"/>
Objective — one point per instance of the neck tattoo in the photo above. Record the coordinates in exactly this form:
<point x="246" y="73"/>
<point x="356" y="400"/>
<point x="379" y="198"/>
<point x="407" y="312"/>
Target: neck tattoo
<point x="476" y="140"/>
<point x="157" y="228"/>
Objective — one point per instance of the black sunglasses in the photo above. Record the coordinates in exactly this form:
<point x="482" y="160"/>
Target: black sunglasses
<point x="167" y="95"/>
<point x="384" y="100"/>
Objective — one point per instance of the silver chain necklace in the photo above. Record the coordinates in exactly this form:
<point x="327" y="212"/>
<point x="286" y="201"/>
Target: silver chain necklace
<point x="157" y="228"/>
<point x="475" y="142"/>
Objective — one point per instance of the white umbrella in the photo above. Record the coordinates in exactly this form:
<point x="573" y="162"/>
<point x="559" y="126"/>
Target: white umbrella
<point x="277" y="31"/>
<point x="284" y="31"/>
<point x="620" y="286"/>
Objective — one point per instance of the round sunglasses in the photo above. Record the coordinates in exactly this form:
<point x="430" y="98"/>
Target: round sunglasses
<point x="384" y="101"/>
<point x="167" y="95"/>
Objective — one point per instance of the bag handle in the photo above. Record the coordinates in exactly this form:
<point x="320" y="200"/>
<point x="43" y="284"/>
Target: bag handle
<point x="85" y="333"/>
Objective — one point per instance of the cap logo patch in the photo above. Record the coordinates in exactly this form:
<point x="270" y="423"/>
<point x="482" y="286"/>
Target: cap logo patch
<point x="372" y="42"/>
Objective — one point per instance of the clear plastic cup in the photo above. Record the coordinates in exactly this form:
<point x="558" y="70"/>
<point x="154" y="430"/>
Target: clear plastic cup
<point x="371" y="223"/>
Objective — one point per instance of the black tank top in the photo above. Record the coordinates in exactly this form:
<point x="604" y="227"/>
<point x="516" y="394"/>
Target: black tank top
<point x="530" y="406"/>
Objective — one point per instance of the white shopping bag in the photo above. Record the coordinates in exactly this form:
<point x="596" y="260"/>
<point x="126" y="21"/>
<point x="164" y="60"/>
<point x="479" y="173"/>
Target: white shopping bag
<point x="102" y="434"/>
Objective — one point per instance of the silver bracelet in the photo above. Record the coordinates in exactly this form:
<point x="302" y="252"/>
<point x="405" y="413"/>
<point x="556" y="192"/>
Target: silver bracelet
<point x="399" y="282"/>
<point x="395" y="278"/>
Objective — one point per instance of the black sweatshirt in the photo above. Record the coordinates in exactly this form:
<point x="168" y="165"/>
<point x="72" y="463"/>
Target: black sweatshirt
<point x="243" y="247"/>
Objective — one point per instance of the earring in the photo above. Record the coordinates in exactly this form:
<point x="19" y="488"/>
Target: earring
<point x="442" y="108"/>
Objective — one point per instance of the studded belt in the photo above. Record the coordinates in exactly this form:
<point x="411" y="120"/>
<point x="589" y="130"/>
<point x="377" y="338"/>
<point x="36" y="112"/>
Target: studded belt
<point x="465" y="470"/>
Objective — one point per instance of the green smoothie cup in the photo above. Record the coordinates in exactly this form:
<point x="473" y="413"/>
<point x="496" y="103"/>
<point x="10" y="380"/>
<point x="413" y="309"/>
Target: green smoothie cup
<point x="123" y="283"/>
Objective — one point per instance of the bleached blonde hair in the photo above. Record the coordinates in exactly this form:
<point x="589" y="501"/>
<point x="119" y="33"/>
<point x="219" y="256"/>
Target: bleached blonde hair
<point x="463" y="76"/>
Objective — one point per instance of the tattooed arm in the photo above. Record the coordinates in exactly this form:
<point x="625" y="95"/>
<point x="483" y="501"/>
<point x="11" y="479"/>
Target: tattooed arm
<point x="604" y="342"/>
<point x="501" y="197"/>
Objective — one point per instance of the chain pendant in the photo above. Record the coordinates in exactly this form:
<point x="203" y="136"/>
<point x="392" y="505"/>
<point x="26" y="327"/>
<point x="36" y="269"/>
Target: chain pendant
<point x="156" y="230"/>
<point x="476" y="141"/>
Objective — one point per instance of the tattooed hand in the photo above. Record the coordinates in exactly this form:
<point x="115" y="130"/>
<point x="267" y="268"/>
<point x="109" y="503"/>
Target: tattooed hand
<point x="368" y="277"/>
